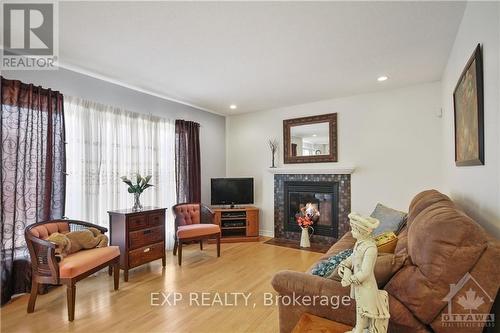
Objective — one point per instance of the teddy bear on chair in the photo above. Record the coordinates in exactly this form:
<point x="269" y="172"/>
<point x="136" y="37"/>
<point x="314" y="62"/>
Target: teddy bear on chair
<point x="75" y="241"/>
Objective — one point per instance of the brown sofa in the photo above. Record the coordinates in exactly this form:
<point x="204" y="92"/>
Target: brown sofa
<point x="443" y="245"/>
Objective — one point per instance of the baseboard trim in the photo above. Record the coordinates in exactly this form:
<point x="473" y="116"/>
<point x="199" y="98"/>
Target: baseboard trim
<point x="267" y="233"/>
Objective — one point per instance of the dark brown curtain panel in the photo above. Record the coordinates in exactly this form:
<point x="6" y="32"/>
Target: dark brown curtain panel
<point x="32" y="175"/>
<point x="187" y="161"/>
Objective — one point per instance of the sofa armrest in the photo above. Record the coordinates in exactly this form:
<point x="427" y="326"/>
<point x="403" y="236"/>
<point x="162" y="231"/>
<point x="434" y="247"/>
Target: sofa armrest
<point x="332" y="300"/>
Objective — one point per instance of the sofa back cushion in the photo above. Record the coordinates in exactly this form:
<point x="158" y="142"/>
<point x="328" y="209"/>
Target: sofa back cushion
<point x="423" y="200"/>
<point x="44" y="230"/>
<point x="443" y="244"/>
<point x="386" y="266"/>
<point x="344" y="243"/>
<point x="402" y="240"/>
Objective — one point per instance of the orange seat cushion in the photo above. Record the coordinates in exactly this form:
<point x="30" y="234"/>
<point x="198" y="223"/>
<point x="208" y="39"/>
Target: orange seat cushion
<point x="85" y="260"/>
<point x="197" y="230"/>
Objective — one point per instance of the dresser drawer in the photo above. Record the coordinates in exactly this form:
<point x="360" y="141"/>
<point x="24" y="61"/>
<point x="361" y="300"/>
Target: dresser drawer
<point x="137" y="222"/>
<point x="145" y="237"/>
<point x="156" y="219"/>
<point x="146" y="254"/>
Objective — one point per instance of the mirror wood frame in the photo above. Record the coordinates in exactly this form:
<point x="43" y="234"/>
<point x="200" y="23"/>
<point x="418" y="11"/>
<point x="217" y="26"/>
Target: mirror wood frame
<point x="330" y="118"/>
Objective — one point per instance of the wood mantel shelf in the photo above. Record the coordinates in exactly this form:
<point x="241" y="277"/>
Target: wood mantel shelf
<point x="313" y="171"/>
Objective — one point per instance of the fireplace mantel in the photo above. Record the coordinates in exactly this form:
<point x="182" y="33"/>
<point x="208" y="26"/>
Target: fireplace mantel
<point x="312" y="171"/>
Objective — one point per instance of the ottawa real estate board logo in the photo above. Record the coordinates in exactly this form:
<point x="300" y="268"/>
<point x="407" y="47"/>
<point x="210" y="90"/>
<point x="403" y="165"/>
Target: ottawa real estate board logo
<point x="468" y="305"/>
<point x="30" y="35"/>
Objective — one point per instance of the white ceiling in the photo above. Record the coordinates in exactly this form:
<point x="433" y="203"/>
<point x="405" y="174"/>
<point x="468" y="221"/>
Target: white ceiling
<point x="259" y="55"/>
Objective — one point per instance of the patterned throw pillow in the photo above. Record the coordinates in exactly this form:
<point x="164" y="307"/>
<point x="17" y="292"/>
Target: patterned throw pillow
<point x="325" y="268"/>
<point x="390" y="219"/>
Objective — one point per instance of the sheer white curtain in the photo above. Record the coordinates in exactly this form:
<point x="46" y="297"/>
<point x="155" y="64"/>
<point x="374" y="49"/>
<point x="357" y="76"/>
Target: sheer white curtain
<point x="104" y="143"/>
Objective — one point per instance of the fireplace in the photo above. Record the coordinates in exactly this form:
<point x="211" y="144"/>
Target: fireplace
<point x="323" y="195"/>
<point x="332" y="194"/>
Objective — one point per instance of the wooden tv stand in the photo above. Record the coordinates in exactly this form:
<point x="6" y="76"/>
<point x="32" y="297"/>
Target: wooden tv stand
<point x="238" y="224"/>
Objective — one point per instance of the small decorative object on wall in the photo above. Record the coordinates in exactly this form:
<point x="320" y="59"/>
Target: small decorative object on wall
<point x="137" y="189"/>
<point x="273" y="145"/>
<point x="372" y="305"/>
<point x="310" y="139"/>
<point x="308" y="215"/>
<point x="468" y="101"/>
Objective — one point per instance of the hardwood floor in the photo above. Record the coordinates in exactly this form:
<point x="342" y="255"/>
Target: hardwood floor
<point x="242" y="268"/>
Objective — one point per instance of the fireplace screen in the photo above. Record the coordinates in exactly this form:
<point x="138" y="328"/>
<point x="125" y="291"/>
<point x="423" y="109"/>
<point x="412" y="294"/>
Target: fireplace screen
<point x="323" y="195"/>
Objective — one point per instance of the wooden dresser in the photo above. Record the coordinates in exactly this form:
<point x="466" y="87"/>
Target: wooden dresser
<point x="140" y="236"/>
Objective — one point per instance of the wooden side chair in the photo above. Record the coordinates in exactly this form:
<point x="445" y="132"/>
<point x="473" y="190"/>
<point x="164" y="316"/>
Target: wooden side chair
<point x="73" y="268"/>
<point x="194" y="222"/>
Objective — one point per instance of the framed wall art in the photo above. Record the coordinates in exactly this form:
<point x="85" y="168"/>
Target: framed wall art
<point x="468" y="104"/>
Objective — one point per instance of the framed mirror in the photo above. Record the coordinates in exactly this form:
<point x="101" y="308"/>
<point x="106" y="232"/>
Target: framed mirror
<point x="310" y="139"/>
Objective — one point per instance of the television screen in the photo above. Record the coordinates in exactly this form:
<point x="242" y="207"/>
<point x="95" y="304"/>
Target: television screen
<point x="232" y="191"/>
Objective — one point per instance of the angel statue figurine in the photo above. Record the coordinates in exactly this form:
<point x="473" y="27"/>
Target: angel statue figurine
<point x="372" y="305"/>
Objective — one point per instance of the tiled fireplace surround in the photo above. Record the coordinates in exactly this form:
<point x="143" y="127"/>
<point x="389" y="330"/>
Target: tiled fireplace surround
<point x="344" y="182"/>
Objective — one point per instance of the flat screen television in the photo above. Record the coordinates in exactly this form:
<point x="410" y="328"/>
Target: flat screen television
<point x="232" y="191"/>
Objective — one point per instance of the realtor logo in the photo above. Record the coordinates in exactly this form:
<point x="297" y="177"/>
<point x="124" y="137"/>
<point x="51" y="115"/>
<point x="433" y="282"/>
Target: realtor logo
<point x="29" y="35"/>
<point x="468" y="305"/>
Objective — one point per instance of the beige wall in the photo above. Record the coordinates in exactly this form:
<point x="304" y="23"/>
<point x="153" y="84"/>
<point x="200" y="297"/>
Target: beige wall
<point x="476" y="188"/>
<point x="393" y="139"/>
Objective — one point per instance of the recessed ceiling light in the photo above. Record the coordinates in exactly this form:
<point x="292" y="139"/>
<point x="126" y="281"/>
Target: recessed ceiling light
<point x="315" y="135"/>
<point x="382" y="78"/>
<point x="233" y="106"/>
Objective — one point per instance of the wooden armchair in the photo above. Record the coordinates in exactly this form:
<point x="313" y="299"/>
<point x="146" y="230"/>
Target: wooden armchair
<point x="194" y="222"/>
<point x="73" y="268"/>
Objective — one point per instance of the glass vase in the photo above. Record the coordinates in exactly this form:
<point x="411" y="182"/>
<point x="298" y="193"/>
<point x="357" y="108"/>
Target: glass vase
<point x="137" y="203"/>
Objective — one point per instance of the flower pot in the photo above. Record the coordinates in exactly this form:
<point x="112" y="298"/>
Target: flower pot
<point x="304" y="238"/>
<point x="137" y="203"/>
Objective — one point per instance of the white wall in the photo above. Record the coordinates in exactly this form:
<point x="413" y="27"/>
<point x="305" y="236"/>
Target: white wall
<point x="212" y="126"/>
<point x="393" y="138"/>
<point x="476" y="188"/>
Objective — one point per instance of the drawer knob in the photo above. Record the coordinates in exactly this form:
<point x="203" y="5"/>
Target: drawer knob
<point x="147" y="250"/>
